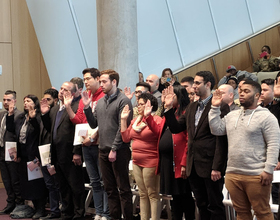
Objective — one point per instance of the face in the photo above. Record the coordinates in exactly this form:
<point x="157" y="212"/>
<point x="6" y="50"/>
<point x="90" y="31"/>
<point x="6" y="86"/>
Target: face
<point x="267" y="93"/>
<point x="247" y="96"/>
<point x="232" y="83"/>
<point x="139" y="90"/>
<point x="106" y="84"/>
<point x="153" y="82"/>
<point x="167" y="74"/>
<point x="64" y="90"/>
<point x="199" y="87"/>
<point x="191" y="95"/>
<point x="226" y="95"/>
<point x="90" y="82"/>
<point x="27" y="102"/>
<point x="7" y="99"/>
<point x="141" y="77"/>
<point x="49" y="99"/>
<point x="264" y="49"/>
<point x="187" y="86"/>
<point x="239" y="86"/>
<point x="232" y="72"/>
<point x="141" y="106"/>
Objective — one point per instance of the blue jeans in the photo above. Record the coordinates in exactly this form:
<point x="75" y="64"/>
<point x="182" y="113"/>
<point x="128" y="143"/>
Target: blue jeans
<point x="100" y="198"/>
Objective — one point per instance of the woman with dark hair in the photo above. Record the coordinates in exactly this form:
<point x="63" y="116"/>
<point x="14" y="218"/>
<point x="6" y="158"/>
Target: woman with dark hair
<point x="173" y="158"/>
<point x="27" y="130"/>
<point x="167" y="79"/>
<point x="265" y="62"/>
<point x="144" y="154"/>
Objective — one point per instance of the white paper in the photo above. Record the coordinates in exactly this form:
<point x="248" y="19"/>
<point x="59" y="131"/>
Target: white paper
<point x="276" y="176"/>
<point x="45" y="154"/>
<point x="80" y="128"/>
<point x="35" y="174"/>
<point x="8" y="146"/>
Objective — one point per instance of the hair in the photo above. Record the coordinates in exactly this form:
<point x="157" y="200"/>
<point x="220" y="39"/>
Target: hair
<point x="268" y="48"/>
<point x="153" y="100"/>
<point x="144" y="84"/>
<point x="11" y="92"/>
<point x="182" y="97"/>
<point x="78" y="81"/>
<point x="93" y="72"/>
<point x="255" y="85"/>
<point x="166" y="69"/>
<point x="36" y="102"/>
<point x="207" y="77"/>
<point x="233" y="78"/>
<point x="269" y="82"/>
<point x="189" y="79"/>
<point x="52" y="92"/>
<point x="112" y="75"/>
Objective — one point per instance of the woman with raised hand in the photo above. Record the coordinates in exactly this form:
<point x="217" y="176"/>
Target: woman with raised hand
<point x="144" y="153"/>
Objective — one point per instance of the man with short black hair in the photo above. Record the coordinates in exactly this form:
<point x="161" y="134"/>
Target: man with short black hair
<point x="9" y="170"/>
<point x="187" y="82"/>
<point x="267" y="93"/>
<point x="80" y="85"/>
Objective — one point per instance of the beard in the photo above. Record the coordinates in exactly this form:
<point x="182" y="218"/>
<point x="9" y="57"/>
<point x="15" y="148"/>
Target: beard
<point x="248" y="103"/>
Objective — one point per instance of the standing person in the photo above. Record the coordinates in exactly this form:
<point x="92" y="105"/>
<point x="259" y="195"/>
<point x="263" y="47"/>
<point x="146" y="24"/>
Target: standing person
<point x="228" y="96"/>
<point x="65" y="157"/>
<point x="167" y="79"/>
<point x="206" y="159"/>
<point x="253" y="148"/>
<point x="9" y="170"/>
<point x="187" y="83"/>
<point x="51" y="95"/>
<point x="114" y="154"/>
<point x="27" y="130"/>
<point x="153" y="80"/>
<point x="144" y="154"/>
<point x="90" y="143"/>
<point x="173" y="159"/>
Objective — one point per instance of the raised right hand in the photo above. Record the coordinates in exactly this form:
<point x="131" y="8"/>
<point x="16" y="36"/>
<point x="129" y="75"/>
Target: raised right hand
<point x="11" y="107"/>
<point x="169" y="97"/>
<point x="86" y="99"/>
<point x="125" y="112"/>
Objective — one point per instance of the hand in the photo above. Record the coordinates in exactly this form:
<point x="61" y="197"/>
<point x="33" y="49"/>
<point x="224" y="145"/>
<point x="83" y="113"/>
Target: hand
<point x="31" y="111"/>
<point x="11" y="107"/>
<point x="148" y="108"/>
<point x="45" y="108"/>
<point x="77" y="159"/>
<point x="266" y="178"/>
<point x="228" y="75"/>
<point x="128" y="93"/>
<point x="67" y="99"/>
<point x="163" y="95"/>
<point x="86" y="141"/>
<point x="17" y="159"/>
<point x="125" y="112"/>
<point x="112" y="156"/>
<point x="86" y="99"/>
<point x="183" y="172"/>
<point x="217" y="98"/>
<point x="215" y="175"/>
<point x="277" y="87"/>
<point x="277" y="166"/>
<point x="169" y="97"/>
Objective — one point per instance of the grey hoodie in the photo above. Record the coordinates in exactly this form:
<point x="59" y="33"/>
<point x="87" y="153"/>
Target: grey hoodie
<point x="253" y="139"/>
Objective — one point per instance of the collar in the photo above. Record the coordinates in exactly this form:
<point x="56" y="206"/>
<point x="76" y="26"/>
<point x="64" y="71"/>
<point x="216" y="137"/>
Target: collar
<point x="205" y="101"/>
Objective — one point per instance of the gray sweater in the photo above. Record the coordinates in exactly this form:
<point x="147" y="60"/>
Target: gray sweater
<point x="253" y="139"/>
<point x="107" y="118"/>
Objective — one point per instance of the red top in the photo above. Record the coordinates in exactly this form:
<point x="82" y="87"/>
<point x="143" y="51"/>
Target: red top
<point x="80" y="116"/>
<point x="144" y="145"/>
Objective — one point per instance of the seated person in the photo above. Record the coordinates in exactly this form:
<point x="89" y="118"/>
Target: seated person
<point x="265" y="62"/>
<point x="233" y="81"/>
<point x="232" y="71"/>
<point x="167" y="79"/>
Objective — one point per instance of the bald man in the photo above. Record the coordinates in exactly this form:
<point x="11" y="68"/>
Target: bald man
<point x="153" y="80"/>
<point x="228" y="96"/>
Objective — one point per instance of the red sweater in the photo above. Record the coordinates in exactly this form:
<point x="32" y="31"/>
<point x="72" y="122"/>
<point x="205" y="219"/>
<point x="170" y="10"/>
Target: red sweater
<point x="80" y="117"/>
<point x="180" y="146"/>
<point x="144" y="145"/>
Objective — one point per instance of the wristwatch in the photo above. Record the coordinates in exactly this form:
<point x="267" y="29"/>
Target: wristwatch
<point x="114" y="148"/>
<point x="91" y="139"/>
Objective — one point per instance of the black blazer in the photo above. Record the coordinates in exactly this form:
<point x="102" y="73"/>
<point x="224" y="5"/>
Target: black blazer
<point x="62" y="148"/>
<point x="205" y="151"/>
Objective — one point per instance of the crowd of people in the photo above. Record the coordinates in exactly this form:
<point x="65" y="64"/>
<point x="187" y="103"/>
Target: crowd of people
<point x="184" y="139"/>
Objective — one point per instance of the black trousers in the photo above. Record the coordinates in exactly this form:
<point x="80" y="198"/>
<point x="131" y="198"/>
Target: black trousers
<point x="72" y="190"/>
<point x="10" y="177"/>
<point x="116" y="183"/>
<point x="209" y="196"/>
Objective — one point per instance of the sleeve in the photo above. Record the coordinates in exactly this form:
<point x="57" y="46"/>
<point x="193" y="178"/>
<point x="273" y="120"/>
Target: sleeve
<point x="79" y="116"/>
<point x="222" y="81"/>
<point x="251" y="76"/>
<point x="126" y="134"/>
<point x="117" y="143"/>
<point x="174" y="125"/>
<point x="216" y="123"/>
<point x="35" y="122"/>
<point x="273" y="64"/>
<point x="10" y="123"/>
<point x="256" y="66"/>
<point x="154" y="124"/>
<point x="46" y="121"/>
<point x="271" y="134"/>
<point x="91" y="117"/>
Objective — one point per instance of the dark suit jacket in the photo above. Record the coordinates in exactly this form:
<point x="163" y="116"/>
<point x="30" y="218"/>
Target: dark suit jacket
<point x="62" y="148"/>
<point x="9" y="136"/>
<point x="205" y="151"/>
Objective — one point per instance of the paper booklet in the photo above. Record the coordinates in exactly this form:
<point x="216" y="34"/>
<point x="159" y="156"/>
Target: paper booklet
<point x="10" y="150"/>
<point x="83" y="130"/>
<point x="34" y="174"/>
<point x="45" y="154"/>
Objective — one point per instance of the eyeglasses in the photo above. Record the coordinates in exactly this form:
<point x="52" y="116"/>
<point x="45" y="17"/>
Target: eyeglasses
<point x="139" y="92"/>
<point x="197" y="83"/>
<point x="87" y="79"/>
